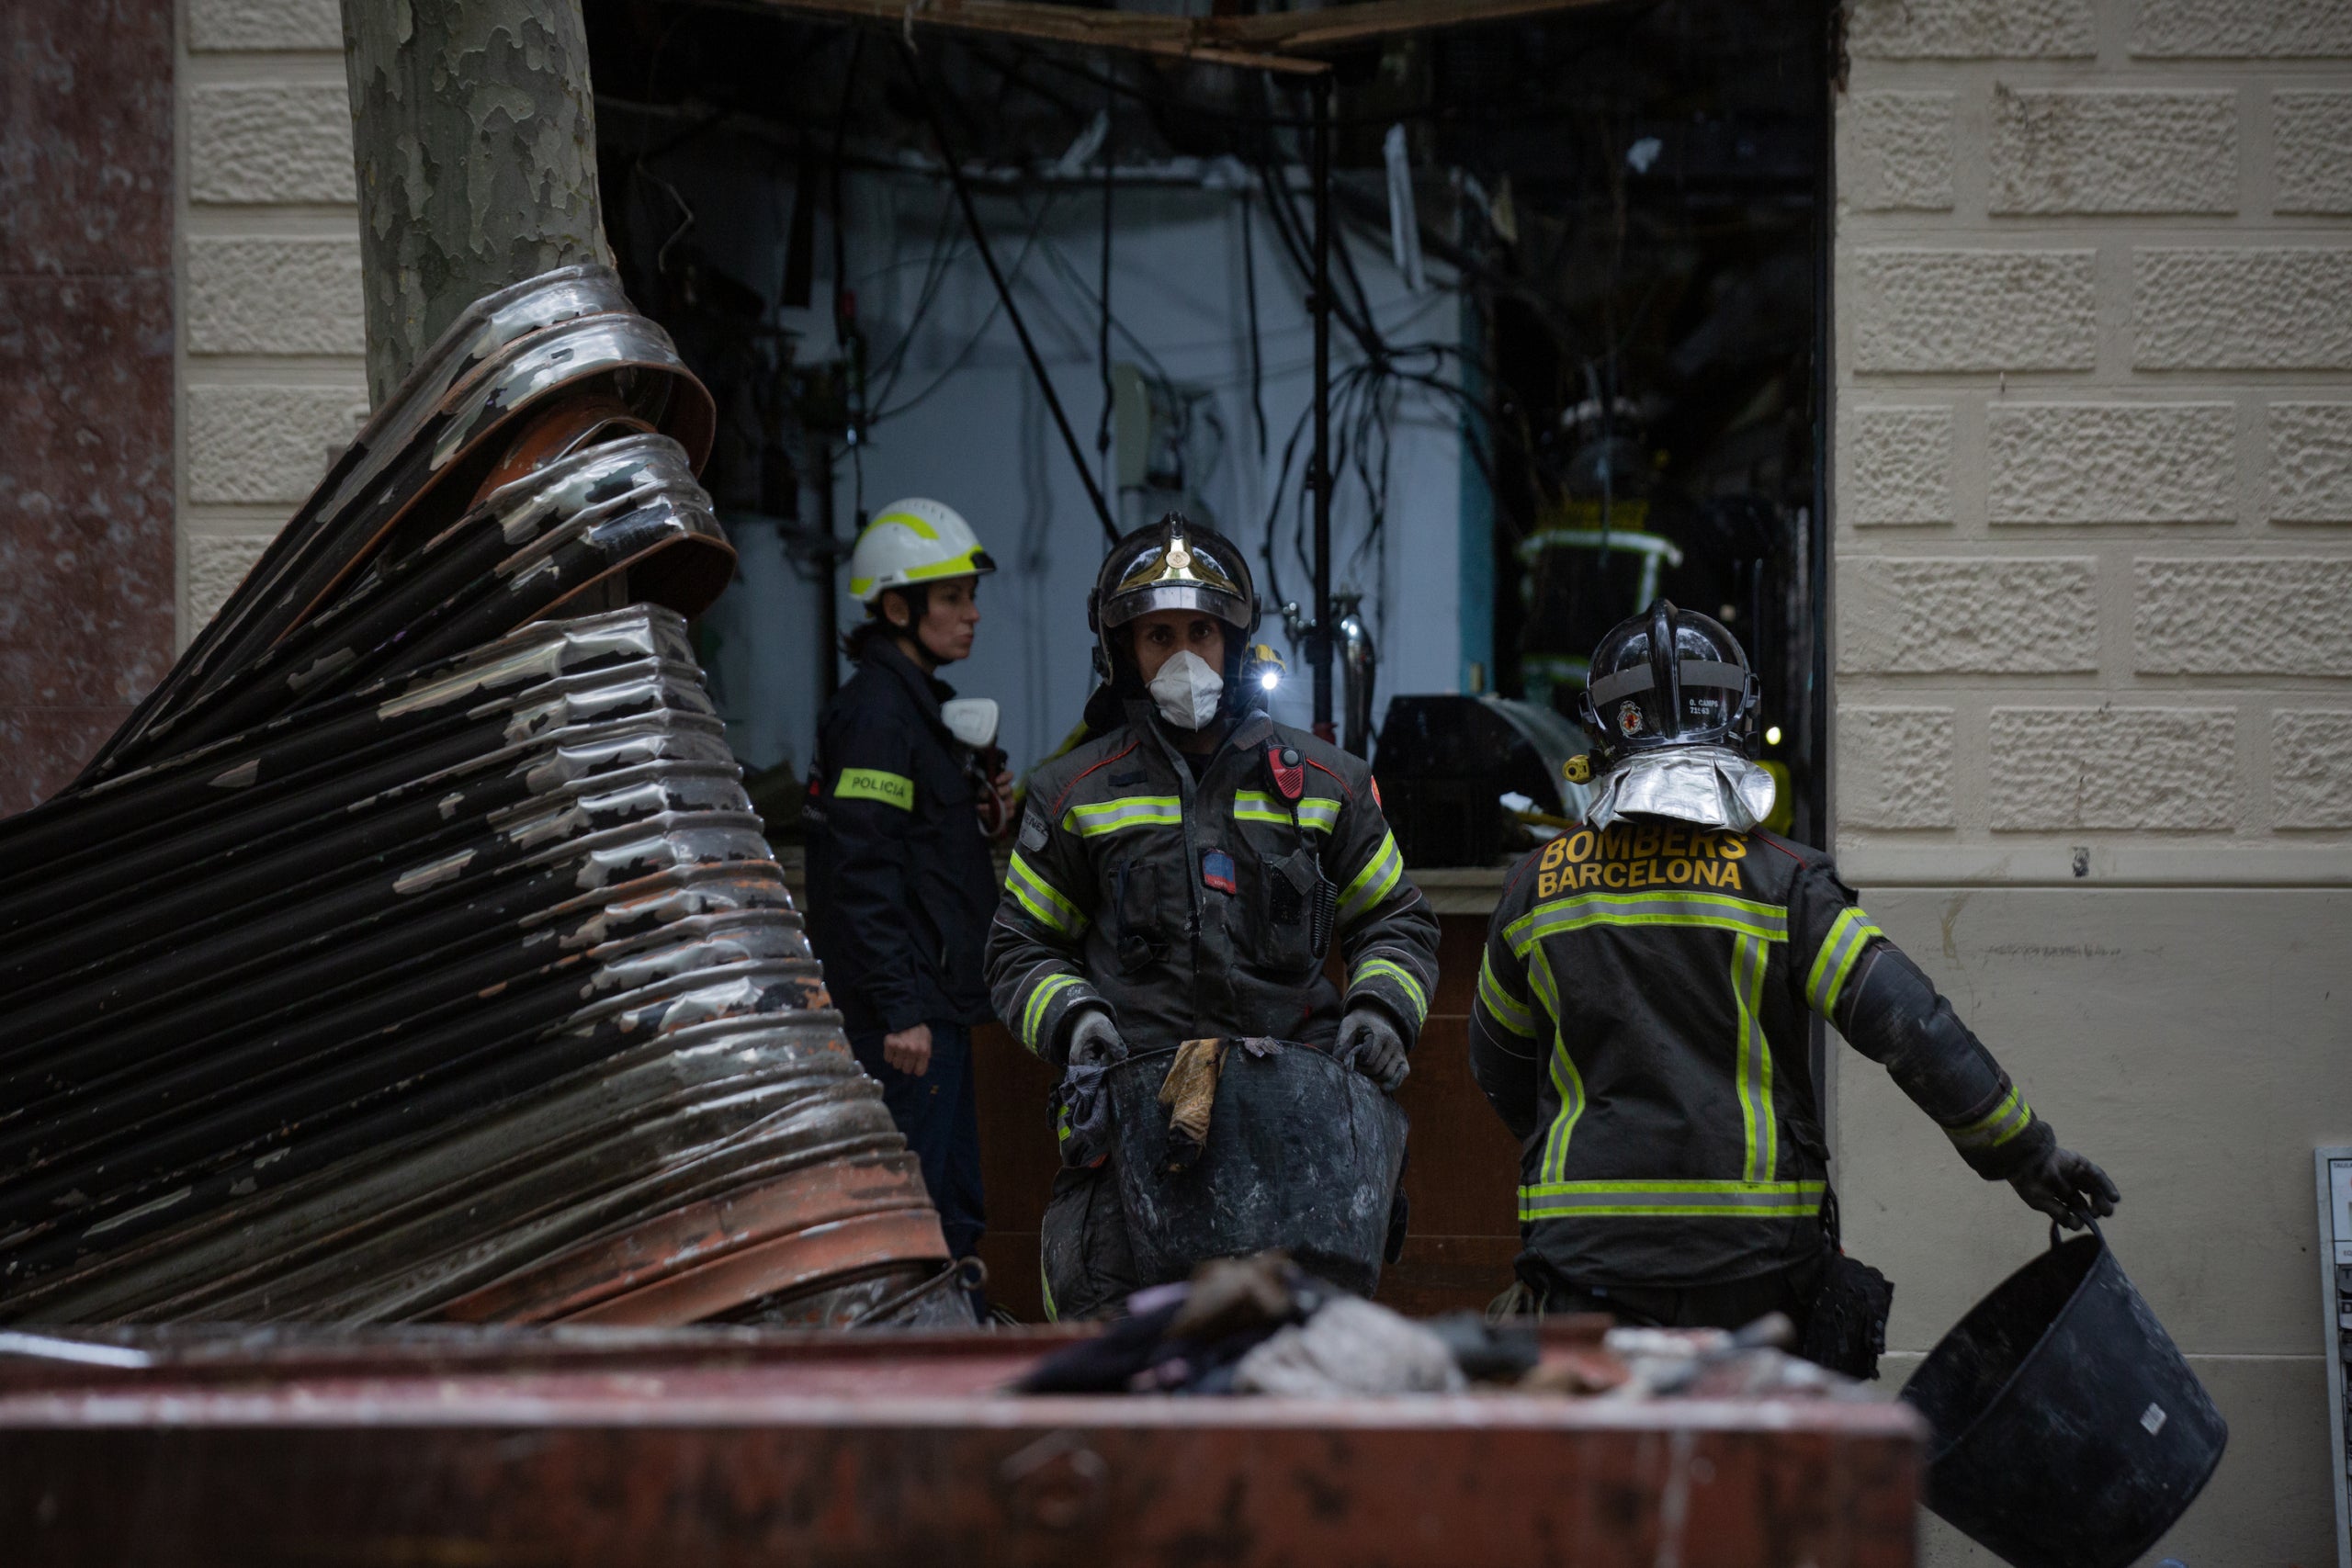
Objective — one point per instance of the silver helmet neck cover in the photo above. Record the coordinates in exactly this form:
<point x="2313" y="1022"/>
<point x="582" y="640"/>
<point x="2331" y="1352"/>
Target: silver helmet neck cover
<point x="1712" y="786"/>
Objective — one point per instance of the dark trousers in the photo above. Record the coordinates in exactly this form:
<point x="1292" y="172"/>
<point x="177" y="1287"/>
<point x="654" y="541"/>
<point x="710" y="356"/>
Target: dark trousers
<point x="940" y="1117"/>
<point x="1089" y="1266"/>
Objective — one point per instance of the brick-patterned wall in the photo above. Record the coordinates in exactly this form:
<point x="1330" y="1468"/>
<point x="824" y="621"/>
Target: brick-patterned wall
<point x="2094" y="468"/>
<point x="271" y="376"/>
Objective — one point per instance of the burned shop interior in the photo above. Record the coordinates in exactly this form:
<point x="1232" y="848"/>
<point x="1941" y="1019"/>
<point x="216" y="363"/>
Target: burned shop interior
<point x="1576" y="350"/>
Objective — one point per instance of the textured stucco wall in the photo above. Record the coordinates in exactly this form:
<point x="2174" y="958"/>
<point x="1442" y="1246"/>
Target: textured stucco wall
<point x="271" y="379"/>
<point x="2093" y="552"/>
<point x="2094" y="521"/>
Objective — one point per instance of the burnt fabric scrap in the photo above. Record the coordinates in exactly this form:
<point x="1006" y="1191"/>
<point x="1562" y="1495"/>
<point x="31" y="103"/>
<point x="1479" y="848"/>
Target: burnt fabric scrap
<point x="414" y="952"/>
<point x="1189" y="1092"/>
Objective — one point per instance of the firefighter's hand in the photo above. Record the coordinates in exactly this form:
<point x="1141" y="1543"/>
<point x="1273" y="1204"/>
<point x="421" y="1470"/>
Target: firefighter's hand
<point x="996" y="807"/>
<point x="1096" y="1039"/>
<point x="908" y="1050"/>
<point x="2067" y="1187"/>
<point x="1371" y="1042"/>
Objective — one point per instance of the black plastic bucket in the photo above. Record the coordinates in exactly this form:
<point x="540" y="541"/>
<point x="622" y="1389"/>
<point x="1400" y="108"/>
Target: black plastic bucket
<point x="1302" y="1154"/>
<point x="2068" y="1432"/>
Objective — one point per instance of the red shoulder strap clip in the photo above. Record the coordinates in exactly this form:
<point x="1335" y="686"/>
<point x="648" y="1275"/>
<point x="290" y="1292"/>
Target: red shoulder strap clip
<point x="1289" y="770"/>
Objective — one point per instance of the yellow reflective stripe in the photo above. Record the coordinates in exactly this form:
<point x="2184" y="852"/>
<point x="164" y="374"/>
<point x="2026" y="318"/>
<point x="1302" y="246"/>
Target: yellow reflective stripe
<point x="1850" y="933"/>
<point x="1033" y="1013"/>
<point x="1374" y="883"/>
<point x="1768" y="922"/>
<point x="1045" y="1287"/>
<point x="1117" y="816"/>
<point x="1670" y="1200"/>
<point x="873" y="784"/>
<point x="1506" y="1009"/>
<point x="1042" y="900"/>
<point x="1568" y="1084"/>
<point x="1312" y="812"/>
<point x="965" y="565"/>
<point x="1759" y="1133"/>
<point x="1403" y="978"/>
<point x="1256" y="806"/>
<point x="920" y="527"/>
<point x="2004" y="1122"/>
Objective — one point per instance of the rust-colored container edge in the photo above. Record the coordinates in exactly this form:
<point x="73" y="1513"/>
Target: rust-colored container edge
<point x="626" y="1449"/>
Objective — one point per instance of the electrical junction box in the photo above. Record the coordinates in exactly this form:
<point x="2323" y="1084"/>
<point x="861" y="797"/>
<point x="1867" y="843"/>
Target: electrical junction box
<point x="2334" y="1171"/>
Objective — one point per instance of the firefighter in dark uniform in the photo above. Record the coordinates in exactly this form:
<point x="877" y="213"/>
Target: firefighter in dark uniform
<point x="900" y="883"/>
<point x="1640" y="1018"/>
<point x="1183" y="874"/>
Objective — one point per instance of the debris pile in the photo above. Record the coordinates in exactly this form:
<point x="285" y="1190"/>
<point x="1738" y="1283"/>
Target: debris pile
<point x="1262" y="1325"/>
<point x="414" y="951"/>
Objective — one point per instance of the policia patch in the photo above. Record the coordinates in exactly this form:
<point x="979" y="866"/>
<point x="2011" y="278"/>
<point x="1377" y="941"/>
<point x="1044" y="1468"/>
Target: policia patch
<point x="1627" y="855"/>
<point x="873" y="784"/>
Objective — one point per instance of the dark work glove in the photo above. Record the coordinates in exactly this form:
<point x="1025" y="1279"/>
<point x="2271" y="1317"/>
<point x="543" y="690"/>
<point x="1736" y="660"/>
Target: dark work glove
<point x="1371" y="1042"/>
<point x="2067" y="1187"/>
<point x="1094" y="1040"/>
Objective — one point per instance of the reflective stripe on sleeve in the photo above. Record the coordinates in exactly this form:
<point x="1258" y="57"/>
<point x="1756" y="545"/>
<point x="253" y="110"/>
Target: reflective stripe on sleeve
<point x="1742" y="916"/>
<point x="1118" y="816"/>
<point x="1033" y="1012"/>
<point x="1317" y="812"/>
<point x="1842" y="949"/>
<point x="1042" y="900"/>
<point x="1675" y="1200"/>
<point x="1374" y="883"/>
<point x="1997" y="1127"/>
<point x="873" y="784"/>
<point x="1504" y="1008"/>
<point x="1372" y="968"/>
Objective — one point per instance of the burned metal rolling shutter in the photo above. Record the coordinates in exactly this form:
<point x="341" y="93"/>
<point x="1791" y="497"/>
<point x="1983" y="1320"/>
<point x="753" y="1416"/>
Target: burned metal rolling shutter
<point x="414" y="952"/>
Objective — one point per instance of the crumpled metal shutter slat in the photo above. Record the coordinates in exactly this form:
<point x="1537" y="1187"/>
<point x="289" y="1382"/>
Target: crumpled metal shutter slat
<point x="414" y="951"/>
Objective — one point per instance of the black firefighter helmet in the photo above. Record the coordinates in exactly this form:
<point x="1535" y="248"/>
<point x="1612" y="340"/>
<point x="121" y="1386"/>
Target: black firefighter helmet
<point x="1669" y="677"/>
<point x="1174" y="564"/>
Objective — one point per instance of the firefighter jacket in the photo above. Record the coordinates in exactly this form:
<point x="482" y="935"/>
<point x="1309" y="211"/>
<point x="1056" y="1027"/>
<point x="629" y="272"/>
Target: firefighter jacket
<point x="1640" y="1025"/>
<point x="1192" y="909"/>
<point x="900" y="882"/>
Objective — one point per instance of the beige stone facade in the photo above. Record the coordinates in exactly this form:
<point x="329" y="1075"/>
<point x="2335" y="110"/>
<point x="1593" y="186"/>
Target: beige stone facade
<point x="2093" y="551"/>
<point x="271" y="381"/>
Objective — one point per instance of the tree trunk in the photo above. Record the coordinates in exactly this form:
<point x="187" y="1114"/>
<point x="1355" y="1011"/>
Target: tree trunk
<point x="474" y="135"/>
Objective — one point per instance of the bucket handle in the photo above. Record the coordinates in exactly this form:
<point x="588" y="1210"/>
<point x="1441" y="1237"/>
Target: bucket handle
<point x="2059" y="1237"/>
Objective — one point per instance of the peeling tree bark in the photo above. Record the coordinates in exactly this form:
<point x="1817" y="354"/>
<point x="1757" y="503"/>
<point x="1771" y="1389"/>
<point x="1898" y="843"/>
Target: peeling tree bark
<point x="474" y="136"/>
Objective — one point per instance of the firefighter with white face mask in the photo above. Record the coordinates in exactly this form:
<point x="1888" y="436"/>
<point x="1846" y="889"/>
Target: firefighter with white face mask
<point x="1184" y="873"/>
<point x="1641" y="1026"/>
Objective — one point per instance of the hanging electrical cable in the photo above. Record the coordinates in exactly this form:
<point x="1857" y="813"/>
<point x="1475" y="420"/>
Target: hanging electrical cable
<point x="1103" y="328"/>
<point x="1004" y="293"/>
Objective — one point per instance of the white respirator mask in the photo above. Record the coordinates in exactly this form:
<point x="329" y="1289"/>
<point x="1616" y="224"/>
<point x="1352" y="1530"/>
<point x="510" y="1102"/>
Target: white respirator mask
<point x="972" y="720"/>
<point x="1187" y="692"/>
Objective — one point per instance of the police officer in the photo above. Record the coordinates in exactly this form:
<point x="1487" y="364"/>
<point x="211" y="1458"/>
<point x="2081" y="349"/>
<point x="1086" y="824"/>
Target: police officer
<point x="1640" y="1018"/>
<point x="1181" y="874"/>
<point x="900" y="883"/>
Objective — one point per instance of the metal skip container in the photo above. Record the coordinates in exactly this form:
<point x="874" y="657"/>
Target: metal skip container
<point x="412" y="952"/>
